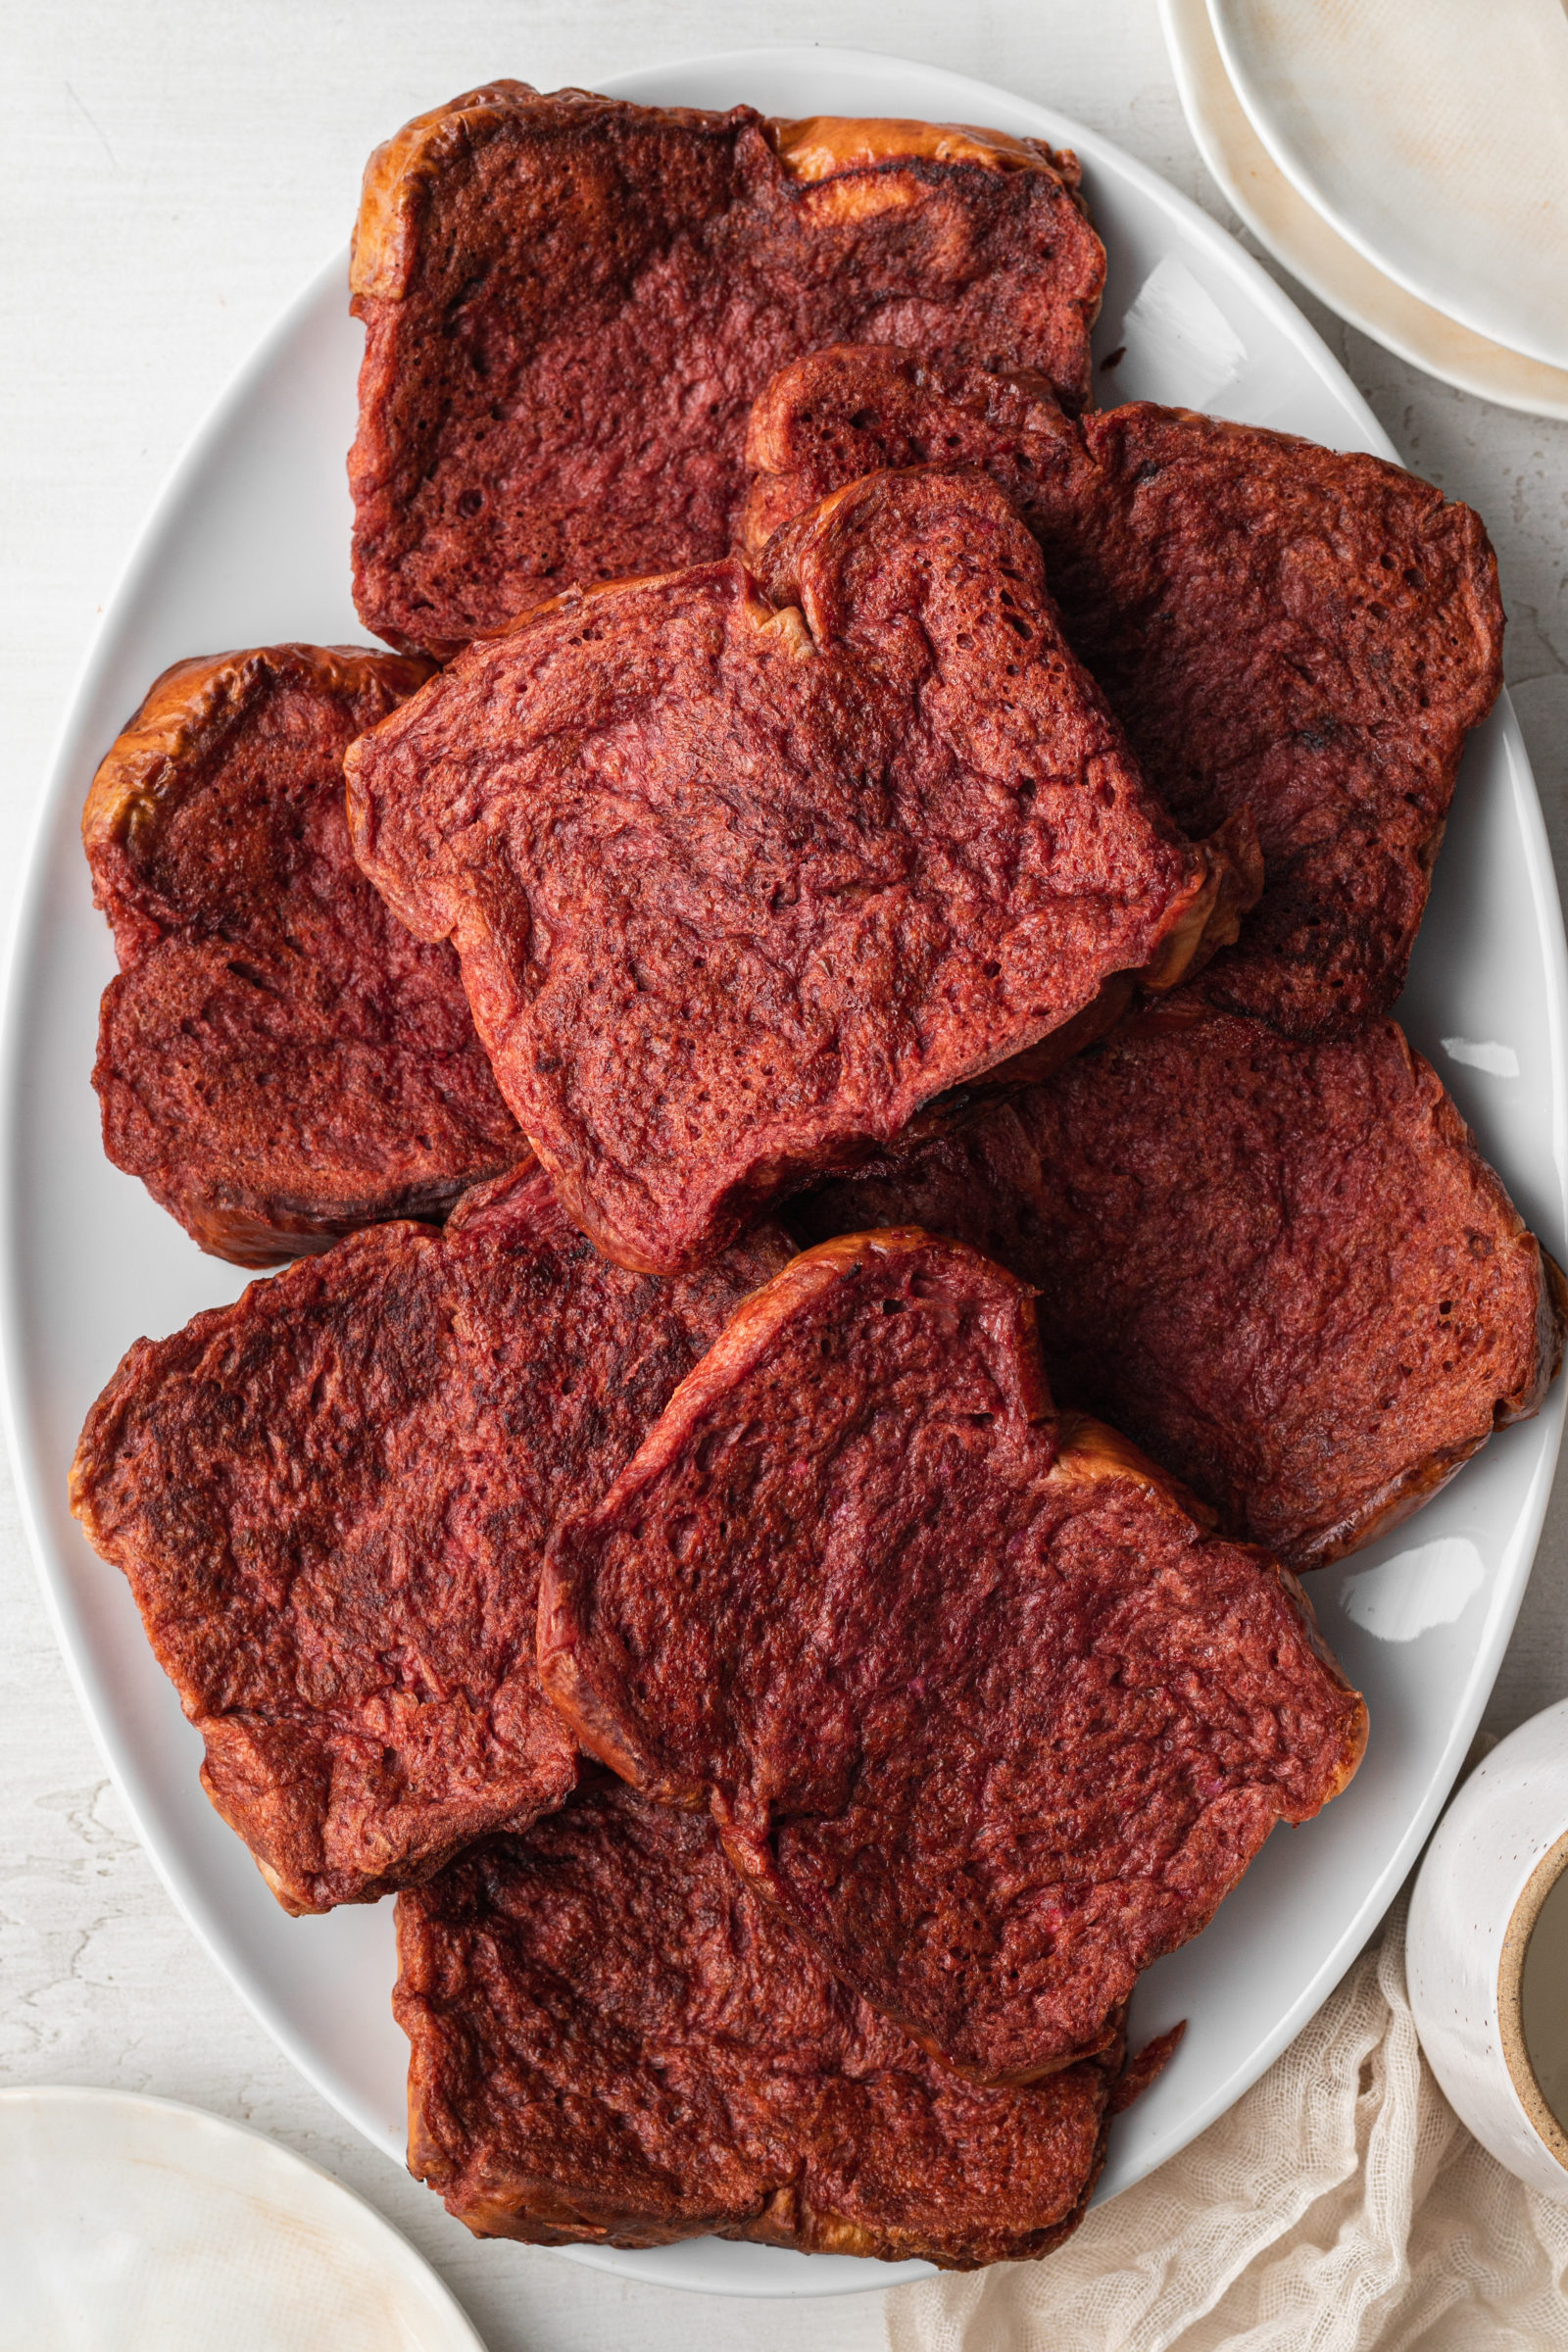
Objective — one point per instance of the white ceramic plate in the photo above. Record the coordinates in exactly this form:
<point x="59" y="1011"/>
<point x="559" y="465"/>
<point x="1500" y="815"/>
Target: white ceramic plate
<point x="1433" y="135"/>
<point x="1297" y="235"/>
<point x="133" y="2223"/>
<point x="250" y="543"/>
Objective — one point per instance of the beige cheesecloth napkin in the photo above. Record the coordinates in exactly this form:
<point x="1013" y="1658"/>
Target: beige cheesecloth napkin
<point x="1339" y="2205"/>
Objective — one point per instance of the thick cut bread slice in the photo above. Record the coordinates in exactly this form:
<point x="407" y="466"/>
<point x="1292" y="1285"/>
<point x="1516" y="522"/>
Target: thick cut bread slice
<point x="331" y="1500"/>
<point x="741" y="882"/>
<point x="278" y="1061"/>
<point x="613" y="2042"/>
<point x="1294" y="630"/>
<point x="974" y="1699"/>
<point x="570" y="302"/>
<point x="1282" y="1268"/>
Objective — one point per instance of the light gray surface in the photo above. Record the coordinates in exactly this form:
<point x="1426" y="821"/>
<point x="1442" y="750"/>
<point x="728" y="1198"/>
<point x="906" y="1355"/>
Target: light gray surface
<point x="170" y="175"/>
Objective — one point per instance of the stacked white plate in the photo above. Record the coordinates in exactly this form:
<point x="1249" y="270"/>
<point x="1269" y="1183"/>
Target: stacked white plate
<point x="1407" y="159"/>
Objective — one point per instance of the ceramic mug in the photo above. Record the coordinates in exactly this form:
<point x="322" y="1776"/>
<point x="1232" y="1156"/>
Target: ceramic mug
<point x="1497" y="1853"/>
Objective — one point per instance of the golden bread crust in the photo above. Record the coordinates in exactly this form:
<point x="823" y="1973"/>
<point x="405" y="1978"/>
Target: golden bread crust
<point x="401" y="169"/>
<point x="139" y="779"/>
<point x="812" y="148"/>
<point x="817" y="146"/>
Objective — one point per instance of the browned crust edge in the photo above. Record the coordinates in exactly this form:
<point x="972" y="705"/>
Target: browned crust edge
<point x="784" y="2216"/>
<point x="245" y="1238"/>
<point x="811" y="149"/>
<point x="817" y="147"/>
<point x="1380" y="1513"/>
<point x="137" y="785"/>
<point x="1086" y="1450"/>
<point x="534" y="2212"/>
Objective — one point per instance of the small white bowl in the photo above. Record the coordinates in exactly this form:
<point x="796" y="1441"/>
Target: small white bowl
<point x="1498" y="1852"/>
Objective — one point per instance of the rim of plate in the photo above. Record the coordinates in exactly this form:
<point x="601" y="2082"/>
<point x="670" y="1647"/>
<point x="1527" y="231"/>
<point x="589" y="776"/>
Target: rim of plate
<point x="388" y="2240"/>
<point x="1293" y="165"/>
<point x="949" y="92"/>
<point x="1306" y="244"/>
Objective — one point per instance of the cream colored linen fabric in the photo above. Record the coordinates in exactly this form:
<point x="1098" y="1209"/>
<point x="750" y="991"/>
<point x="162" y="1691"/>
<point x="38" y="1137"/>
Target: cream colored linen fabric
<point x="1340" y="2206"/>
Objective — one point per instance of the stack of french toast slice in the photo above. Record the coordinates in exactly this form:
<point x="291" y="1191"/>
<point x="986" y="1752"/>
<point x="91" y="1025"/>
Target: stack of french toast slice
<point x="819" y="1033"/>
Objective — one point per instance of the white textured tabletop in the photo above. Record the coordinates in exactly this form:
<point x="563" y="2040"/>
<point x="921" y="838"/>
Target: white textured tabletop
<point x="171" y="171"/>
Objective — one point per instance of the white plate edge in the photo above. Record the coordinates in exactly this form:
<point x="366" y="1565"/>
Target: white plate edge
<point x="1296" y="172"/>
<point x="1218" y="164"/>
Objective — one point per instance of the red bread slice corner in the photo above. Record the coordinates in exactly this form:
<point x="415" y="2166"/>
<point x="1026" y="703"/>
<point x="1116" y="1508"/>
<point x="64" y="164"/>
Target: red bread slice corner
<point x="278" y="1061"/>
<point x="612" y="2042"/>
<point x="1302" y="632"/>
<point x="570" y="302"/>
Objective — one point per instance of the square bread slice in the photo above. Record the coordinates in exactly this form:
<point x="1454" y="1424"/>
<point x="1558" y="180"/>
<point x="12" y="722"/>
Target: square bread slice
<point x="976" y="1702"/>
<point x="1282" y="1268"/>
<point x="614" y="2042"/>
<point x="1302" y="632"/>
<point x="570" y="301"/>
<point x="742" y="881"/>
<point x="331" y="1500"/>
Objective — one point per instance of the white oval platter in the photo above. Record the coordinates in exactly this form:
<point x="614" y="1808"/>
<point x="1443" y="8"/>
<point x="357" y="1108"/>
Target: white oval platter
<point x="249" y="543"/>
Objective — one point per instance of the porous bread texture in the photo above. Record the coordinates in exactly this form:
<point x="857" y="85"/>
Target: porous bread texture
<point x="331" y="1500"/>
<point x="614" y="2042"/>
<point x="1282" y="1268"/>
<point x="570" y="302"/>
<point x="975" y="1699"/>
<point x="1304" y="634"/>
<point x="741" y="882"/>
<point x="279" y="1061"/>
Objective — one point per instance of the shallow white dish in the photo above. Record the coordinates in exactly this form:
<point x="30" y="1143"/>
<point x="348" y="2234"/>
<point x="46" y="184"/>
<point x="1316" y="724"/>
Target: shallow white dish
<point x="1433" y="135"/>
<point x="1297" y="235"/>
<point x="249" y="543"/>
<point x="133" y="2223"/>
